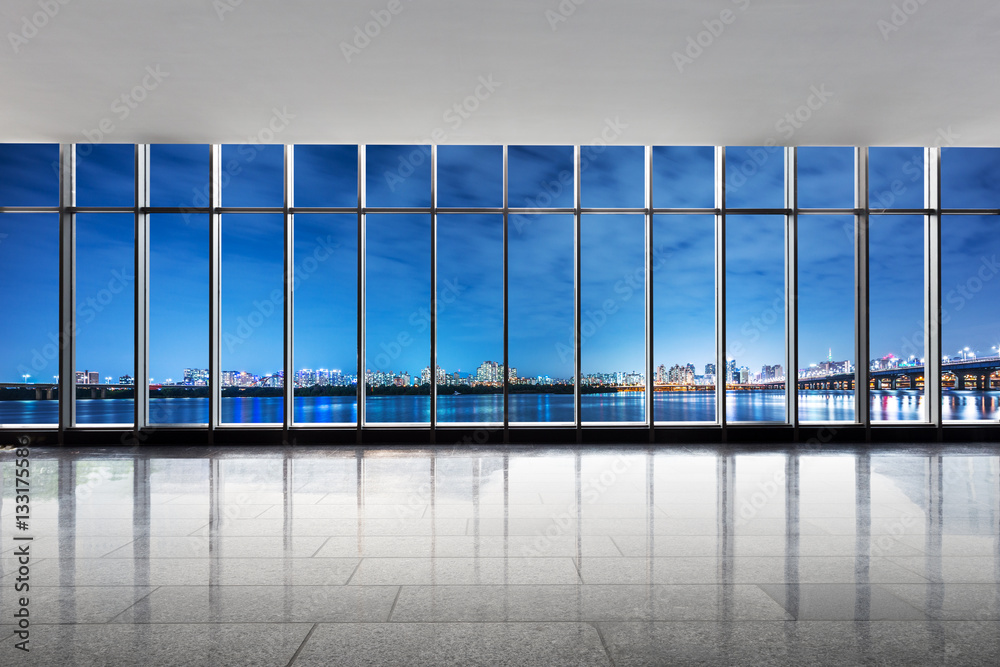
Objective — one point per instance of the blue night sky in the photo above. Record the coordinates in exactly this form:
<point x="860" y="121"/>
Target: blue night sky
<point x="469" y="258"/>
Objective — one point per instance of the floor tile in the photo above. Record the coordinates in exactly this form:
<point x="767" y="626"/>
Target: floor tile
<point x="340" y="527"/>
<point x="439" y="644"/>
<point x="954" y="569"/>
<point x="951" y="602"/>
<point x="197" y="571"/>
<point x="263" y="604"/>
<point x="177" y="645"/>
<point x="452" y="571"/>
<point x="841" y="602"/>
<point x="50" y="546"/>
<point x="814" y="643"/>
<point x="755" y="545"/>
<point x="74" y="604"/>
<point x="583" y="603"/>
<point x="468" y="546"/>
<point x="220" y="547"/>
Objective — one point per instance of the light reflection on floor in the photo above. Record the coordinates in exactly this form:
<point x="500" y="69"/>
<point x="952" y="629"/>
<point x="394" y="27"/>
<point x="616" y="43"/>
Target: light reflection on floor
<point x="273" y="556"/>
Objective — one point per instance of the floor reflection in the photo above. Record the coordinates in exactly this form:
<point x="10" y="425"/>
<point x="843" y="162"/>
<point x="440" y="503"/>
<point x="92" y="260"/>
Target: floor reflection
<point x="811" y="548"/>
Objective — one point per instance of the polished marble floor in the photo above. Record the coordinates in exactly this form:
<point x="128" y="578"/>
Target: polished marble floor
<point x="548" y="556"/>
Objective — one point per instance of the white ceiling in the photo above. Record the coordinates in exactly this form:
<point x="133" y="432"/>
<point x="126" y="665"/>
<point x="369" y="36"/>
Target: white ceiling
<point x="230" y="63"/>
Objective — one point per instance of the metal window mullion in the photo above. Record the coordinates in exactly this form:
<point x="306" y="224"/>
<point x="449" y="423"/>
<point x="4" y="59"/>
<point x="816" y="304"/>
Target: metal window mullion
<point x="577" y="302"/>
<point x="791" y="293"/>
<point x="506" y="309"/>
<point x="141" y="285"/>
<point x="932" y="291"/>
<point x="434" y="300"/>
<point x="288" y="383"/>
<point x="67" y="289"/>
<point x="648" y="199"/>
<point x="862" y="393"/>
<point x="215" y="291"/>
<point x="362" y="372"/>
<point x="721" y="360"/>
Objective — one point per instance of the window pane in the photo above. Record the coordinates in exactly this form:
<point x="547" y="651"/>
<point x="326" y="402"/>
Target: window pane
<point x="326" y="318"/>
<point x="178" y="175"/>
<point x="970" y="177"/>
<point x="29" y="174"/>
<point x="105" y="315"/>
<point x="105" y="175"/>
<point x="826" y="177"/>
<point x="540" y="177"/>
<point x="612" y="176"/>
<point x="397" y="318"/>
<point x="683" y="176"/>
<point x="326" y="176"/>
<point x="684" y="317"/>
<point x="470" y="318"/>
<point x="970" y="318"/>
<point x="29" y="328"/>
<point x="253" y="175"/>
<point x="252" y="318"/>
<point x="826" y="317"/>
<point x="895" y="178"/>
<point x="470" y="176"/>
<point x="398" y="176"/>
<point x="755" y="318"/>
<point x="755" y="177"/>
<point x="896" y="317"/>
<point x="178" y="318"/>
<point x="613" y="318"/>
<point x="540" y="250"/>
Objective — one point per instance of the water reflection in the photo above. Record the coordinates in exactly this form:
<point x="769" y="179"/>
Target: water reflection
<point x="741" y="406"/>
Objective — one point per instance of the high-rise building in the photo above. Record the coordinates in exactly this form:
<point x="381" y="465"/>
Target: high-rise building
<point x="709" y="369"/>
<point x="305" y="377"/>
<point x="195" y="376"/>
<point x="88" y="377"/>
